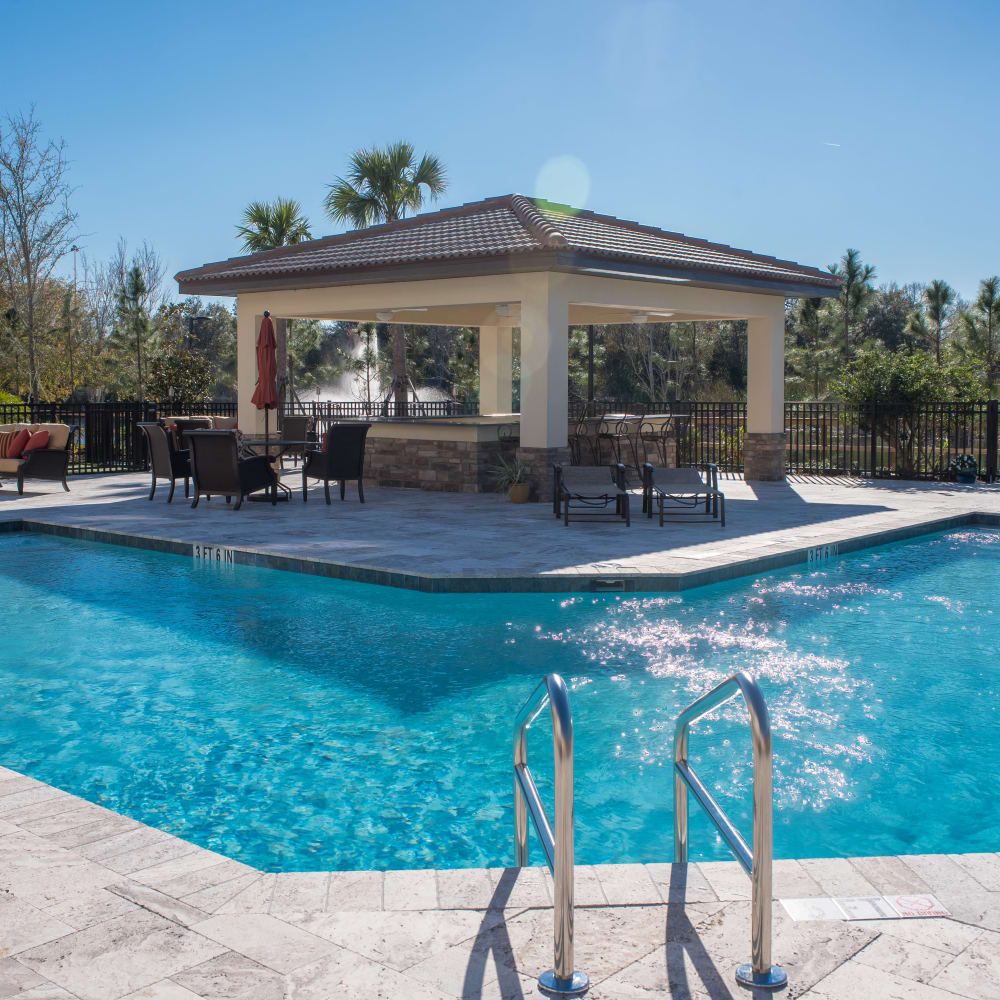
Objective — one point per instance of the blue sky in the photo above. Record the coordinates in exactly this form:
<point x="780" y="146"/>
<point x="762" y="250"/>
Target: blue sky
<point x="794" y="128"/>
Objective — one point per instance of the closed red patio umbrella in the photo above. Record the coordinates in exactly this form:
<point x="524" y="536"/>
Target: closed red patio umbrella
<point x="265" y="395"/>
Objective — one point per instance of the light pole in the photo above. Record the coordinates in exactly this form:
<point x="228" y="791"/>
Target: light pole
<point x="74" y="250"/>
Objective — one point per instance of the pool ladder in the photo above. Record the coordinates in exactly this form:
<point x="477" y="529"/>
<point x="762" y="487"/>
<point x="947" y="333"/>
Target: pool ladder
<point x="759" y="973"/>
<point x="562" y="978"/>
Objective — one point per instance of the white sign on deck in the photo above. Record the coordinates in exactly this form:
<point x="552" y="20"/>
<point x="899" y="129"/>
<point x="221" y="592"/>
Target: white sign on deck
<point x="865" y="907"/>
<point x="213" y="553"/>
<point x="918" y="905"/>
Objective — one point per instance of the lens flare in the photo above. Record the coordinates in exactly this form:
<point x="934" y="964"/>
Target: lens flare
<point x="564" y="180"/>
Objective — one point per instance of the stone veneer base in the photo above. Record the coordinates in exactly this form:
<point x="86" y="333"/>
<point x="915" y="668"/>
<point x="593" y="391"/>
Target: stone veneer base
<point x="449" y="466"/>
<point x="538" y="463"/>
<point x="764" y="457"/>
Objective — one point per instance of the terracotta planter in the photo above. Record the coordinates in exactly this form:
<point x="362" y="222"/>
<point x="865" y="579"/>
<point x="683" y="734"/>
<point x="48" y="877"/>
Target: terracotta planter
<point x="520" y="493"/>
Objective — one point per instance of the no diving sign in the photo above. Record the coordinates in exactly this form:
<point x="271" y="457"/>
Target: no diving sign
<point x="917" y="906"/>
<point x="898" y="907"/>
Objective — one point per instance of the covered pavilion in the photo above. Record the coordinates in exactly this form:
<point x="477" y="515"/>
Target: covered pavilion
<point x="517" y="262"/>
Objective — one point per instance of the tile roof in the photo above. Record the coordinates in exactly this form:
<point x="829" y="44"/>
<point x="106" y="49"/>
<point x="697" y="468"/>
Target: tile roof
<point x="511" y="227"/>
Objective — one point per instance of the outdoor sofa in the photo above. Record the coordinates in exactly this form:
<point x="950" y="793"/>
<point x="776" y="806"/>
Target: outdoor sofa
<point x="50" y="462"/>
<point x="687" y="493"/>
<point x="589" y="492"/>
<point x="178" y="426"/>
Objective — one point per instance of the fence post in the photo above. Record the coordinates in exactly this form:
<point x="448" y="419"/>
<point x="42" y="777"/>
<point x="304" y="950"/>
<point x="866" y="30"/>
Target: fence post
<point x="992" y="432"/>
<point x="873" y="431"/>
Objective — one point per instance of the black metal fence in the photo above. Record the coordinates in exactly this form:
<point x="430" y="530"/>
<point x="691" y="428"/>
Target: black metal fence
<point x="884" y="440"/>
<point x="352" y="409"/>
<point x="108" y="439"/>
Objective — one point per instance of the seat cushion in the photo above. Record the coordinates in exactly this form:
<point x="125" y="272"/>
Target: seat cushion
<point x="38" y="440"/>
<point x="15" y="446"/>
<point x="10" y="464"/>
<point x="224" y="423"/>
<point x="12" y="427"/>
<point x="58" y="435"/>
<point x="7" y="439"/>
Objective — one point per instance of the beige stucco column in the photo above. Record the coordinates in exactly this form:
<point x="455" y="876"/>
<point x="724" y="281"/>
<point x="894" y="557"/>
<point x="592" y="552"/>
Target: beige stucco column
<point x="764" y="441"/>
<point x="496" y="357"/>
<point x="544" y="380"/>
<point x="247" y="324"/>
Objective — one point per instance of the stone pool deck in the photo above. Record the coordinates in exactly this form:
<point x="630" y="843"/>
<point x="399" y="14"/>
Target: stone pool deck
<point x="96" y="906"/>
<point x="481" y="542"/>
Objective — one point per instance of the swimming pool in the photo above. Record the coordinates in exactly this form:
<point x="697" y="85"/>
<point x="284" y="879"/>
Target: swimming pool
<point x="300" y="723"/>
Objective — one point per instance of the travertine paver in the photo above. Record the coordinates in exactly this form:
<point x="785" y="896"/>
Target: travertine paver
<point x="95" y="905"/>
<point x="71" y="927"/>
<point x="488" y="542"/>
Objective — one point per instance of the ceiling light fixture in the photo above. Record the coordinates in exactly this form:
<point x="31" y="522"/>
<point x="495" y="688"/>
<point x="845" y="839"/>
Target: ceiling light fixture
<point x="640" y="317"/>
<point x="384" y="315"/>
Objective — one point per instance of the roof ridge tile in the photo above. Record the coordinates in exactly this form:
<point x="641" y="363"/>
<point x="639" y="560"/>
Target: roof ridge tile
<point x="529" y="215"/>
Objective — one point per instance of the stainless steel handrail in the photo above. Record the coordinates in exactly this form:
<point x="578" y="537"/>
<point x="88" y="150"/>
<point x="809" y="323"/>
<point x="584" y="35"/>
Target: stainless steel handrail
<point x="759" y="973"/>
<point x="558" y="847"/>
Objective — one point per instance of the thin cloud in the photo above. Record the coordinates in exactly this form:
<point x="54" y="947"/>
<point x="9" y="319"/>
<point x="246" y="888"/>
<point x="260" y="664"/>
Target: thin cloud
<point x="837" y="144"/>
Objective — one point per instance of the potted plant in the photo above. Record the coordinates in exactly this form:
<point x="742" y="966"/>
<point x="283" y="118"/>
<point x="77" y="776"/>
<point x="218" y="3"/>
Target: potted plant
<point x="964" y="468"/>
<point x="511" y="477"/>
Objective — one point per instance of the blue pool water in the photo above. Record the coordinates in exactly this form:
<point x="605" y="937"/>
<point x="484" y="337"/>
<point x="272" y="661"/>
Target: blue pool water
<point x="300" y="723"/>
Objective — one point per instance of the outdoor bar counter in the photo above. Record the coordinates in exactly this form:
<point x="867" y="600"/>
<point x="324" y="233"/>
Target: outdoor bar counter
<point x="460" y="454"/>
<point x="453" y="454"/>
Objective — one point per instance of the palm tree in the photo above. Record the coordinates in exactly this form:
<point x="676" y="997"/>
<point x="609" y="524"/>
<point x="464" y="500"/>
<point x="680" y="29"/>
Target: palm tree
<point x="855" y="290"/>
<point x="268" y="225"/>
<point x="382" y="185"/>
<point x="938" y="295"/>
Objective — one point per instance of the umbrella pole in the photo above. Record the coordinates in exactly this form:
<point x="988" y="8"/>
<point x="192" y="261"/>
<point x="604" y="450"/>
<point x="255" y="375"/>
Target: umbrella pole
<point x="267" y="452"/>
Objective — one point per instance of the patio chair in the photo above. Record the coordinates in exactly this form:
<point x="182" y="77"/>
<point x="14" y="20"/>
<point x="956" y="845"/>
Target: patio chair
<point x="297" y="427"/>
<point x="178" y="427"/>
<point x="588" y="492"/>
<point x="342" y="458"/>
<point x="217" y="468"/>
<point x="687" y="493"/>
<point x="165" y="461"/>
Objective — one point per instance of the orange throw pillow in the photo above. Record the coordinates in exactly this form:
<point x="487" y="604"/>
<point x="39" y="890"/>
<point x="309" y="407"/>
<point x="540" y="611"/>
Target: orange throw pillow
<point x="15" y="447"/>
<point x="37" y="441"/>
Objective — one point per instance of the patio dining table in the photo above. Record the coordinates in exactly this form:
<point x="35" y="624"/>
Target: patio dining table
<point x="260" y="446"/>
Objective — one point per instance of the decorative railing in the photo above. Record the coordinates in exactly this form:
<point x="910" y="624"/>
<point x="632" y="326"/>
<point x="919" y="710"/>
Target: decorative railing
<point x="882" y="440"/>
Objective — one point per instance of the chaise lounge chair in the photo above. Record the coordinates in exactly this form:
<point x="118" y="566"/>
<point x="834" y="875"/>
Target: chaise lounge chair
<point x="586" y="492"/>
<point x="217" y="468"/>
<point x="165" y="461"/>
<point x="686" y="493"/>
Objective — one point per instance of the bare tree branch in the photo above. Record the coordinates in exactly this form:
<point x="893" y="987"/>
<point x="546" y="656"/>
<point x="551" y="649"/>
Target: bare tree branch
<point x="36" y="222"/>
